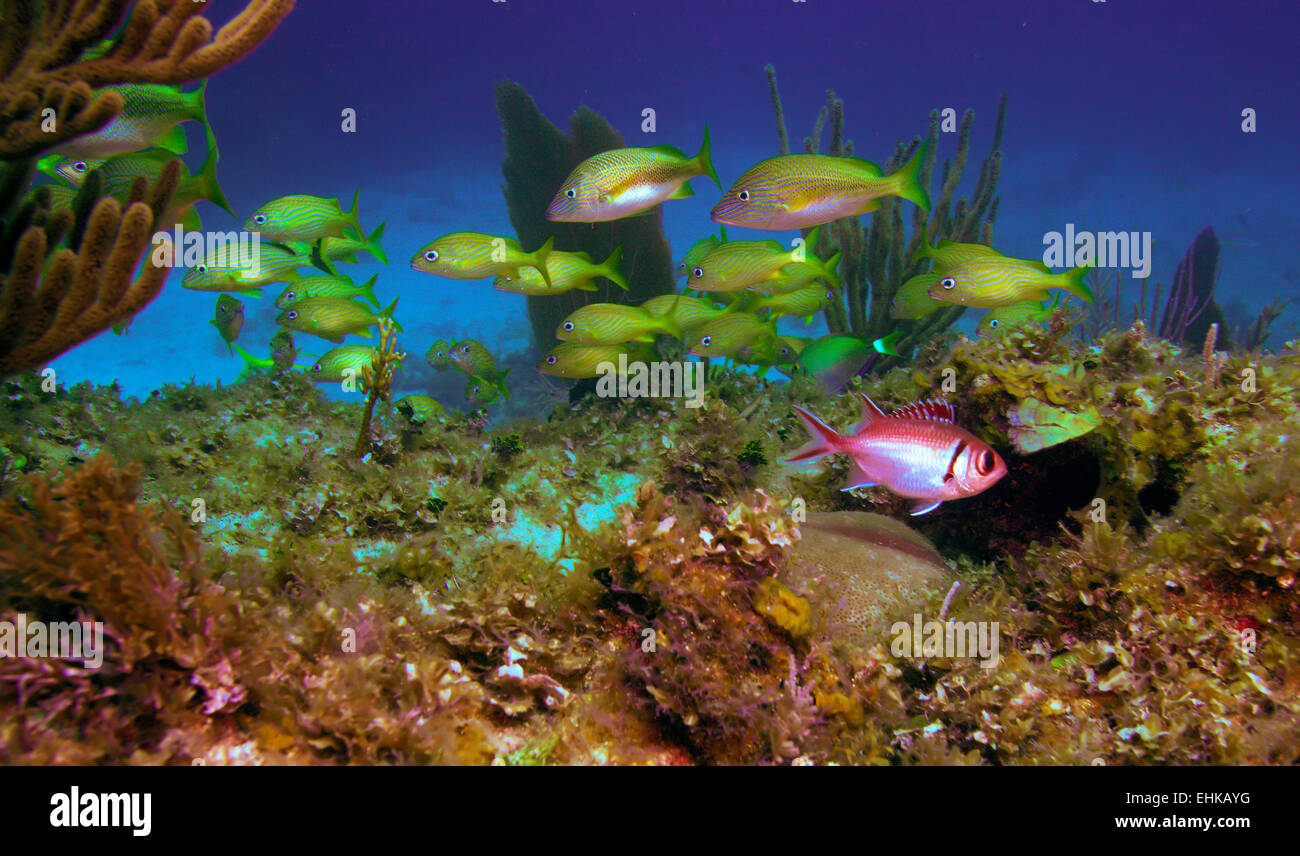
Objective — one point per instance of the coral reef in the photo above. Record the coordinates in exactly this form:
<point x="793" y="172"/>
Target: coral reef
<point x="539" y="157"/>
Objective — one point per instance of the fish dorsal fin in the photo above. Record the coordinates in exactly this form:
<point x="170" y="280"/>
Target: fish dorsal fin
<point x="870" y="413"/>
<point x="935" y="411"/>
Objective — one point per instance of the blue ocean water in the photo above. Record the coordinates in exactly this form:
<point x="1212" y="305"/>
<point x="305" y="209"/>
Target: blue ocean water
<point x="1123" y="115"/>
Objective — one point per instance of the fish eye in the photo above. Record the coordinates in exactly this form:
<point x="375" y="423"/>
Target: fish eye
<point x="288" y="295"/>
<point x="948" y="282"/>
<point x="984" y="463"/>
<point x="993" y="323"/>
<point x="202" y="269"/>
<point x="465" y="350"/>
<point x="551" y="359"/>
<point x="568" y="326"/>
<point x="259" y="219"/>
<point x="79" y="166"/>
<point x="291" y="314"/>
<point x="706" y="341"/>
<point x="431" y="255"/>
<point x="571" y="193"/>
<point x="440" y="354"/>
<point x="698" y="272"/>
<point x="744" y="195"/>
<point x="316" y="367"/>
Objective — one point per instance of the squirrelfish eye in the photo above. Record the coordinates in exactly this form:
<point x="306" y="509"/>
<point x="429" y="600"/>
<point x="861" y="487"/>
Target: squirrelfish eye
<point x="568" y="326"/>
<point x="571" y="192"/>
<point x="431" y="255"/>
<point x="744" y="195"/>
<point x="698" y="272"/>
<point x="706" y="341"/>
<point x="948" y="282"/>
<point x="984" y="463"/>
<point x="551" y="359"/>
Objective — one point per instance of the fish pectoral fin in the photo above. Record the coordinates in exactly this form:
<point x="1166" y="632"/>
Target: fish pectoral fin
<point x="858" y="477"/>
<point x="924" y="506"/>
<point x="682" y="192"/>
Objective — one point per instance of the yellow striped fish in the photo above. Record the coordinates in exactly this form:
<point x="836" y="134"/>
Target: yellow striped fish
<point x="474" y="255"/>
<point x="990" y="283"/>
<point x="726" y="335"/>
<point x="912" y="301"/>
<point x="1016" y="315"/>
<point x="745" y="264"/>
<point x="613" y="324"/>
<point x="332" y="319"/>
<point x="802" y="274"/>
<point x="948" y="253"/>
<point x="805" y="302"/>
<point x="685" y="311"/>
<point x="802" y="190"/>
<point x="151" y="116"/>
<point x="625" y="182"/>
<point x="569" y="359"/>
<point x="339" y="364"/>
<point x="420" y="408"/>
<point x="228" y="268"/>
<point x="567" y="271"/>
<point x="698" y="250"/>
<point x="326" y="286"/>
<point x="304" y="218"/>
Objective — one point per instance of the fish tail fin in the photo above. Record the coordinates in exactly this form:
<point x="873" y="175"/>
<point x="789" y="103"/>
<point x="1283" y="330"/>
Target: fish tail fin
<point x="200" y="102"/>
<point x="609" y="268"/>
<point x="48" y="163"/>
<point x="908" y="178"/>
<point x="540" y="256"/>
<point x="206" y="177"/>
<point x="173" y="141"/>
<point x="368" y="290"/>
<point x="885" y="345"/>
<point x="387" y="312"/>
<point x="1072" y="281"/>
<point x="372" y="244"/>
<point x="250" y="361"/>
<point x="825" y="439"/>
<point x="353" y="218"/>
<point x="704" y="159"/>
<point x="832" y="269"/>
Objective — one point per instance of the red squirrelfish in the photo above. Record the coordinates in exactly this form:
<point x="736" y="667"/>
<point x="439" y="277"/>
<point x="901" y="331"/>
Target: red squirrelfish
<point x="917" y="452"/>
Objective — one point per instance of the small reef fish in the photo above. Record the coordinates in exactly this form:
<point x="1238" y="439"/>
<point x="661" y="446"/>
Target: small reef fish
<point x="802" y="190"/>
<point x="626" y="182"/>
<point x="727" y="334"/>
<point x="685" y="311"/>
<point x="992" y="282"/>
<point x="151" y="116"/>
<point x="304" y="218"/>
<point x="420" y="408"/>
<point x="698" y="250"/>
<point x="439" y="355"/>
<point x="571" y="360"/>
<point x="332" y="319"/>
<point x="567" y="271"/>
<point x="1016" y="315"/>
<point x="283" y="353"/>
<point x="835" y="359"/>
<point x="805" y="302"/>
<point x="917" y="452"/>
<point x="913" y="302"/>
<point x="339" y="364"/>
<point x="345" y="247"/>
<point x="474" y="255"/>
<point x="120" y="170"/>
<point x="745" y="264"/>
<point x="780" y="351"/>
<point x="483" y="391"/>
<point x="226" y="269"/>
<point x="799" y="275"/>
<point x="473" y="358"/>
<point x="613" y="324"/>
<point x="228" y="319"/>
<point x="326" y="286"/>
<point x="948" y="253"/>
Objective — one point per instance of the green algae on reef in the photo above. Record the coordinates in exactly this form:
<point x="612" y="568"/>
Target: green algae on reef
<point x="621" y="582"/>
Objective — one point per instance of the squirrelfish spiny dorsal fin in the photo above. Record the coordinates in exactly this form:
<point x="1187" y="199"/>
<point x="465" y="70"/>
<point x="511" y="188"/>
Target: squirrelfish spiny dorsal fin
<point x="870" y="412"/>
<point x="934" y="410"/>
